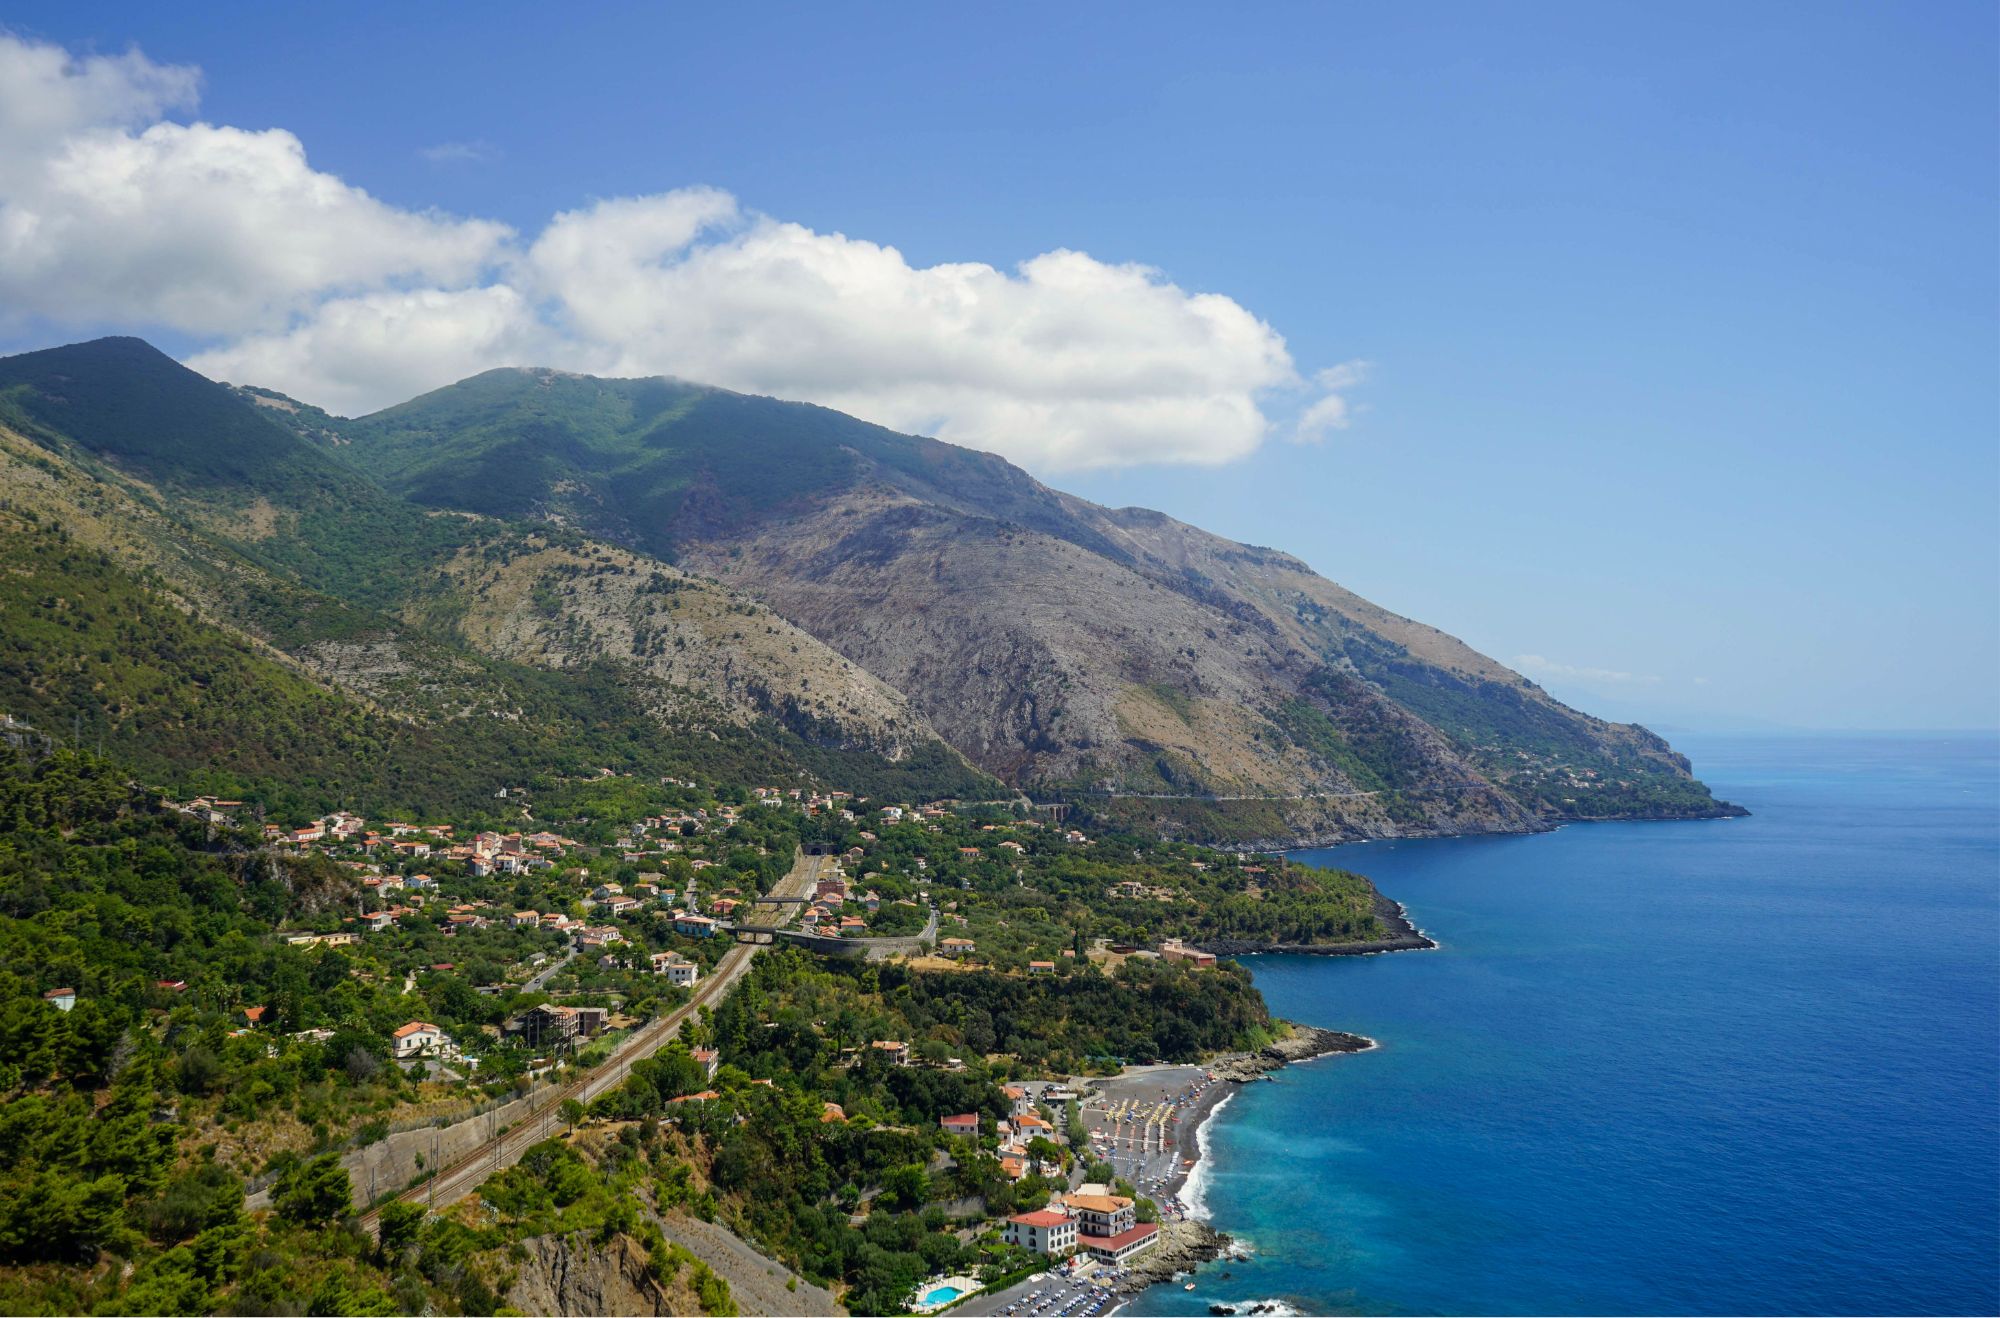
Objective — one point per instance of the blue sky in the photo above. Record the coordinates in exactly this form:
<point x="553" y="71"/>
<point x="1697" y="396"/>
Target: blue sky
<point x="1679" y="322"/>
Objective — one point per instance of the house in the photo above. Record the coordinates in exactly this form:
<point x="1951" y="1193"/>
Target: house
<point x="831" y="1112"/>
<point x="895" y="1050"/>
<point x="254" y="1015"/>
<point x="697" y="926"/>
<point x="62" y="999"/>
<point x="956" y="946"/>
<point x="1045" y="1231"/>
<point x="591" y="1020"/>
<point x="171" y="985"/>
<point x="623" y="905"/>
<point x="708" y="1059"/>
<point x="527" y="919"/>
<point x="852" y="926"/>
<point x="965" y="1123"/>
<point x="417" y="1039"/>
<point x="968" y="853"/>
<point x="606" y="891"/>
<point x="1020" y="1102"/>
<point x="1041" y="967"/>
<point x="1030" y="1125"/>
<point x="1175" y="950"/>
<point x="680" y="972"/>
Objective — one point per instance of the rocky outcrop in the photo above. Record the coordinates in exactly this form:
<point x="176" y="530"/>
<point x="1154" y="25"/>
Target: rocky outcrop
<point x="1301" y="1044"/>
<point x="759" y="1285"/>
<point x="569" y="1275"/>
<point x="1184" y="1246"/>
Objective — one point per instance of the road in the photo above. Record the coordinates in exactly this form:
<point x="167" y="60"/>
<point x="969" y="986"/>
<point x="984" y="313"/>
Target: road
<point x="548" y="972"/>
<point x="902" y="944"/>
<point x="504" y="1150"/>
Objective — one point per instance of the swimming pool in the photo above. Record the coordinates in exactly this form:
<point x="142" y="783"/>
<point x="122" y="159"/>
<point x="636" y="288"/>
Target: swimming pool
<point x="941" y="1295"/>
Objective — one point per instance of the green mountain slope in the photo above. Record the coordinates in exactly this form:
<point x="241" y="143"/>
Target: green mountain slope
<point x="214" y="595"/>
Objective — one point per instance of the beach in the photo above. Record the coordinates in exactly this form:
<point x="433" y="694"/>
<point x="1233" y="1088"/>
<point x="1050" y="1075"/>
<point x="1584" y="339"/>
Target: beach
<point x="1147" y="1122"/>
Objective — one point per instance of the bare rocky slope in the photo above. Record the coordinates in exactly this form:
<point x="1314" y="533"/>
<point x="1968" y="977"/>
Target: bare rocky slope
<point x="1116" y="658"/>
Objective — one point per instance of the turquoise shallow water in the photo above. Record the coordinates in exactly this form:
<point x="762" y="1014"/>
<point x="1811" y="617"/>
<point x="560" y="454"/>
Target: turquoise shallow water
<point x="1745" y="1066"/>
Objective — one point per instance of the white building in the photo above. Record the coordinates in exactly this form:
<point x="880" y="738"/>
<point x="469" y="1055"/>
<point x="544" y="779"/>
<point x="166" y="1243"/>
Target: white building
<point x="418" y="1039"/>
<point x="1045" y="1232"/>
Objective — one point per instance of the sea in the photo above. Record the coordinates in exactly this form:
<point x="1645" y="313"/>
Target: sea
<point x="1746" y="1066"/>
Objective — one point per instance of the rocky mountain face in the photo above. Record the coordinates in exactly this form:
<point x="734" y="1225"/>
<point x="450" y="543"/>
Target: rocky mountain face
<point x="1114" y="657"/>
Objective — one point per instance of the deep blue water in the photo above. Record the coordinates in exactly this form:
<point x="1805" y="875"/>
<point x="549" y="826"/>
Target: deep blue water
<point x="1744" y="1066"/>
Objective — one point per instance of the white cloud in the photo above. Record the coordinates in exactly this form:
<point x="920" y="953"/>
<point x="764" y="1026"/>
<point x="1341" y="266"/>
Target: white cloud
<point x="303" y="282"/>
<point x="206" y="229"/>
<point x="1537" y="665"/>
<point x="356" y="354"/>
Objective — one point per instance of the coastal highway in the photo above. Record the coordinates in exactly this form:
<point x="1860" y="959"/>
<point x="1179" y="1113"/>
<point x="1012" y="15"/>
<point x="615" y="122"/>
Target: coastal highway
<point x="505" y="1149"/>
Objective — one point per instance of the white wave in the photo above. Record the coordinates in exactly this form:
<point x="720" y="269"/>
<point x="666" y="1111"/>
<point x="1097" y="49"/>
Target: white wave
<point x="1195" y="1193"/>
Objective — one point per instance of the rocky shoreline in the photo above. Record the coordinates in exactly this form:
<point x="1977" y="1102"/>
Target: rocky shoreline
<point x="1304" y="1043"/>
<point x="1403" y="937"/>
<point x="1184" y="1246"/>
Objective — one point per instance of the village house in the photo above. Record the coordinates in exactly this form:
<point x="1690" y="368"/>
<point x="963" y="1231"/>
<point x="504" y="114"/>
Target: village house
<point x="695" y="926"/>
<point x="956" y="947"/>
<point x="418" y="1039"/>
<point x="708" y="1059"/>
<point x="680" y="972"/>
<point x="1041" y="967"/>
<point x="62" y="999"/>
<point x="895" y="1050"/>
<point x="527" y="919"/>
<point x="964" y="1123"/>
<point x="1175" y="950"/>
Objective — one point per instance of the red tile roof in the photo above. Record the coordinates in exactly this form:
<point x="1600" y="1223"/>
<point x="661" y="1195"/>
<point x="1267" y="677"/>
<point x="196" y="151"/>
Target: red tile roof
<point x="1040" y="1217"/>
<point x="1122" y="1239"/>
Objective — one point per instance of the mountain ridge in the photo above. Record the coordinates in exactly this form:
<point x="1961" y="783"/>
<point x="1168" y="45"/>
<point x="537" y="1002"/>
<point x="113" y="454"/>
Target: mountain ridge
<point x="1068" y="648"/>
<point x="813" y="579"/>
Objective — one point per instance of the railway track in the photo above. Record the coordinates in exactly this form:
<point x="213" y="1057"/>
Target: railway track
<point x="465" y="1174"/>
